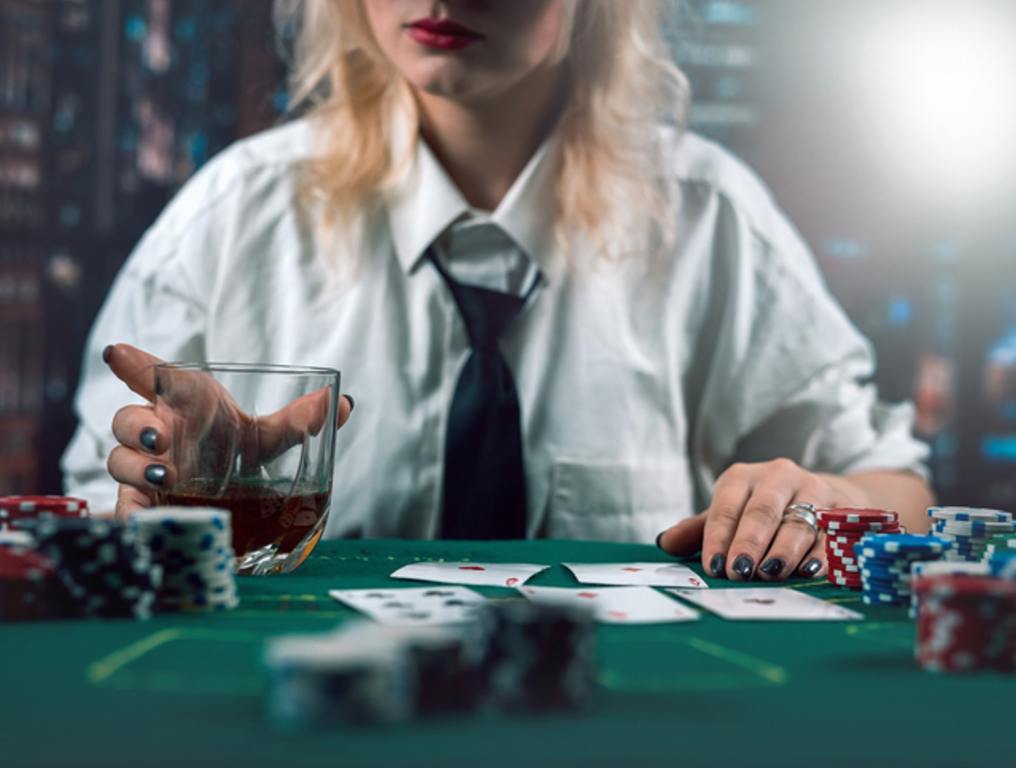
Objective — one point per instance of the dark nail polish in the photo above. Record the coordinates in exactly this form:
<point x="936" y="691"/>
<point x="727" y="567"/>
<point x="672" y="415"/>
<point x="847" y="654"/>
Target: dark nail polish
<point x="155" y="474"/>
<point x="718" y="564"/>
<point x="772" y="567"/>
<point x="352" y="402"/>
<point x="106" y="353"/>
<point x="811" y="567"/>
<point x="743" y="566"/>
<point x="659" y="538"/>
<point x="148" y="438"/>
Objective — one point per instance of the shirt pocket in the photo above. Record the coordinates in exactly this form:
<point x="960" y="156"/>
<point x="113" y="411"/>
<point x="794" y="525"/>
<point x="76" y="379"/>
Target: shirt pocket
<point x="611" y="501"/>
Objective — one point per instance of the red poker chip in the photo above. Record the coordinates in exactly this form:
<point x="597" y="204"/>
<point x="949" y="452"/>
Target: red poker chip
<point x="24" y="565"/>
<point x="856" y="515"/>
<point x="960" y="585"/>
<point x="846" y="585"/>
<point x="841" y="554"/>
<point x="29" y="506"/>
<point x="858" y="528"/>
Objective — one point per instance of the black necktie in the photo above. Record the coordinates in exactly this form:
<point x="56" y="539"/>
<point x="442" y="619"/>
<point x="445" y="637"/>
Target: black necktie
<point x="484" y="477"/>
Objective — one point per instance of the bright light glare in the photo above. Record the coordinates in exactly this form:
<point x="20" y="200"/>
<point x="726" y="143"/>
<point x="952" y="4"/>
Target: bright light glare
<point x="940" y="79"/>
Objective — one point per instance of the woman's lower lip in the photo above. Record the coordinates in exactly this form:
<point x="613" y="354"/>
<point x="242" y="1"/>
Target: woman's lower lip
<point x="442" y="42"/>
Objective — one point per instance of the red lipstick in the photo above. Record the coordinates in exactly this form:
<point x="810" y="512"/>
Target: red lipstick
<point x="442" y="34"/>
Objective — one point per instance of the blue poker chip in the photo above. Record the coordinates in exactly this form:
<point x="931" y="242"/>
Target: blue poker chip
<point x="901" y="544"/>
<point x="885" y="600"/>
<point x="884" y="587"/>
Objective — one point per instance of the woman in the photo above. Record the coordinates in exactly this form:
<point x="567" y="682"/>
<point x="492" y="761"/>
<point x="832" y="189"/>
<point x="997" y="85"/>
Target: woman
<point x="560" y="314"/>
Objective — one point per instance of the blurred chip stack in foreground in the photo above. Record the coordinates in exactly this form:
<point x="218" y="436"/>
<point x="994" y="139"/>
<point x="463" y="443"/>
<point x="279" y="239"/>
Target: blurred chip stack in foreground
<point x="517" y="656"/>
<point x="193" y="548"/>
<point x="966" y="623"/>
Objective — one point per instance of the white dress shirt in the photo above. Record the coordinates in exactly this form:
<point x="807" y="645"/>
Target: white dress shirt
<point x="638" y="384"/>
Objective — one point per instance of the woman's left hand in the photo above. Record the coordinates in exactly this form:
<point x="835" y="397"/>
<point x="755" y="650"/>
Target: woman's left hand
<point x="743" y="532"/>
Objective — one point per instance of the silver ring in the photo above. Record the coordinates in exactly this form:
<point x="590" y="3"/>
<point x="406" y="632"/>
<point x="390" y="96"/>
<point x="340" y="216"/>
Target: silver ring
<point x="803" y="512"/>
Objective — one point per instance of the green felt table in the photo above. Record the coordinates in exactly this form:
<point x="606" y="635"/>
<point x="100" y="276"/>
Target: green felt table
<point x="188" y="690"/>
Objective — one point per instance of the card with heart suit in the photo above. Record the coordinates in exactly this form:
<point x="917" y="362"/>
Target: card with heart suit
<point x="637" y="574"/>
<point x="413" y="607"/>
<point x="616" y="605"/>
<point x="478" y="574"/>
<point x="766" y="603"/>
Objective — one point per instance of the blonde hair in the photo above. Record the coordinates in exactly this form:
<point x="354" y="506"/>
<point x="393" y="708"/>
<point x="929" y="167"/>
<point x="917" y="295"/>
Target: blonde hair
<point x="623" y="86"/>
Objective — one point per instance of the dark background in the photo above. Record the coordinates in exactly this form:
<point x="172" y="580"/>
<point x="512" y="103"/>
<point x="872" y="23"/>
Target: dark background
<point x="884" y="128"/>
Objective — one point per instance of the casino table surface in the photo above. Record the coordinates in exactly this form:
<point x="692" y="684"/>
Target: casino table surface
<point x="188" y="690"/>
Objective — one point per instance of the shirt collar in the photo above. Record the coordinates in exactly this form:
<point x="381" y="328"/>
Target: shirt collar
<point x="426" y="202"/>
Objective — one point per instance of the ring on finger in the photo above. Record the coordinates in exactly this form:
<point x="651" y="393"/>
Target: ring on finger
<point x="803" y="512"/>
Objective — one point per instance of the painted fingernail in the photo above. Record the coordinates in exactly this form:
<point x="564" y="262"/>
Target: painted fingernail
<point x="352" y="402"/>
<point x="772" y="567"/>
<point x="718" y="564"/>
<point x="659" y="538"/>
<point x="148" y="438"/>
<point x="155" y="474"/>
<point x="106" y="353"/>
<point x="743" y="566"/>
<point x="811" y="567"/>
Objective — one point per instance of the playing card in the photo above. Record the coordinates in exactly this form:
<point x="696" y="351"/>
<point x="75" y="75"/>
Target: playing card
<point x="480" y="574"/>
<point x="413" y="607"/>
<point x="642" y="574"/>
<point x="762" y="603"/>
<point x="616" y="605"/>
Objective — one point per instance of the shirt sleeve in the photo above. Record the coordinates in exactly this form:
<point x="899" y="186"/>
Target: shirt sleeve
<point x="155" y="304"/>
<point x="790" y="374"/>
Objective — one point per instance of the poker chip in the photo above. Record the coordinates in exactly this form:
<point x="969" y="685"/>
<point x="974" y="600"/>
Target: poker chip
<point x="969" y="513"/>
<point x="357" y="674"/>
<point x="842" y="515"/>
<point x="844" y="528"/>
<point x="539" y="657"/>
<point x="886" y="563"/>
<point x="514" y="656"/>
<point x="1002" y="565"/>
<point x="849" y="528"/>
<point x="29" y="589"/>
<point x="101" y="565"/>
<point x="193" y="547"/>
<point x="21" y="511"/>
<point x="965" y="623"/>
<point x="940" y="568"/>
<point x="970" y="530"/>
<point x="18" y="540"/>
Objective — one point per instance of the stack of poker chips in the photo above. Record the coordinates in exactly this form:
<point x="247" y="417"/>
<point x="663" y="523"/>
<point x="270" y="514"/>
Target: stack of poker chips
<point x="940" y="568"/>
<point x="20" y="512"/>
<point x="193" y="546"/>
<point x="969" y="529"/>
<point x="102" y="565"/>
<point x="965" y="623"/>
<point x="844" y="527"/>
<point x="516" y="656"/>
<point x="886" y="561"/>
<point x="538" y="657"/>
<point x="29" y="587"/>
<point x="359" y="674"/>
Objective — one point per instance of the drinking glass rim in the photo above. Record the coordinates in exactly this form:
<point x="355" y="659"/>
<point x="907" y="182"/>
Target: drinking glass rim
<point x="298" y="370"/>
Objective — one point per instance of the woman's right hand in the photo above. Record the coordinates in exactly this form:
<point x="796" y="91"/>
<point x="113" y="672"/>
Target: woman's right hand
<point x="141" y="462"/>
